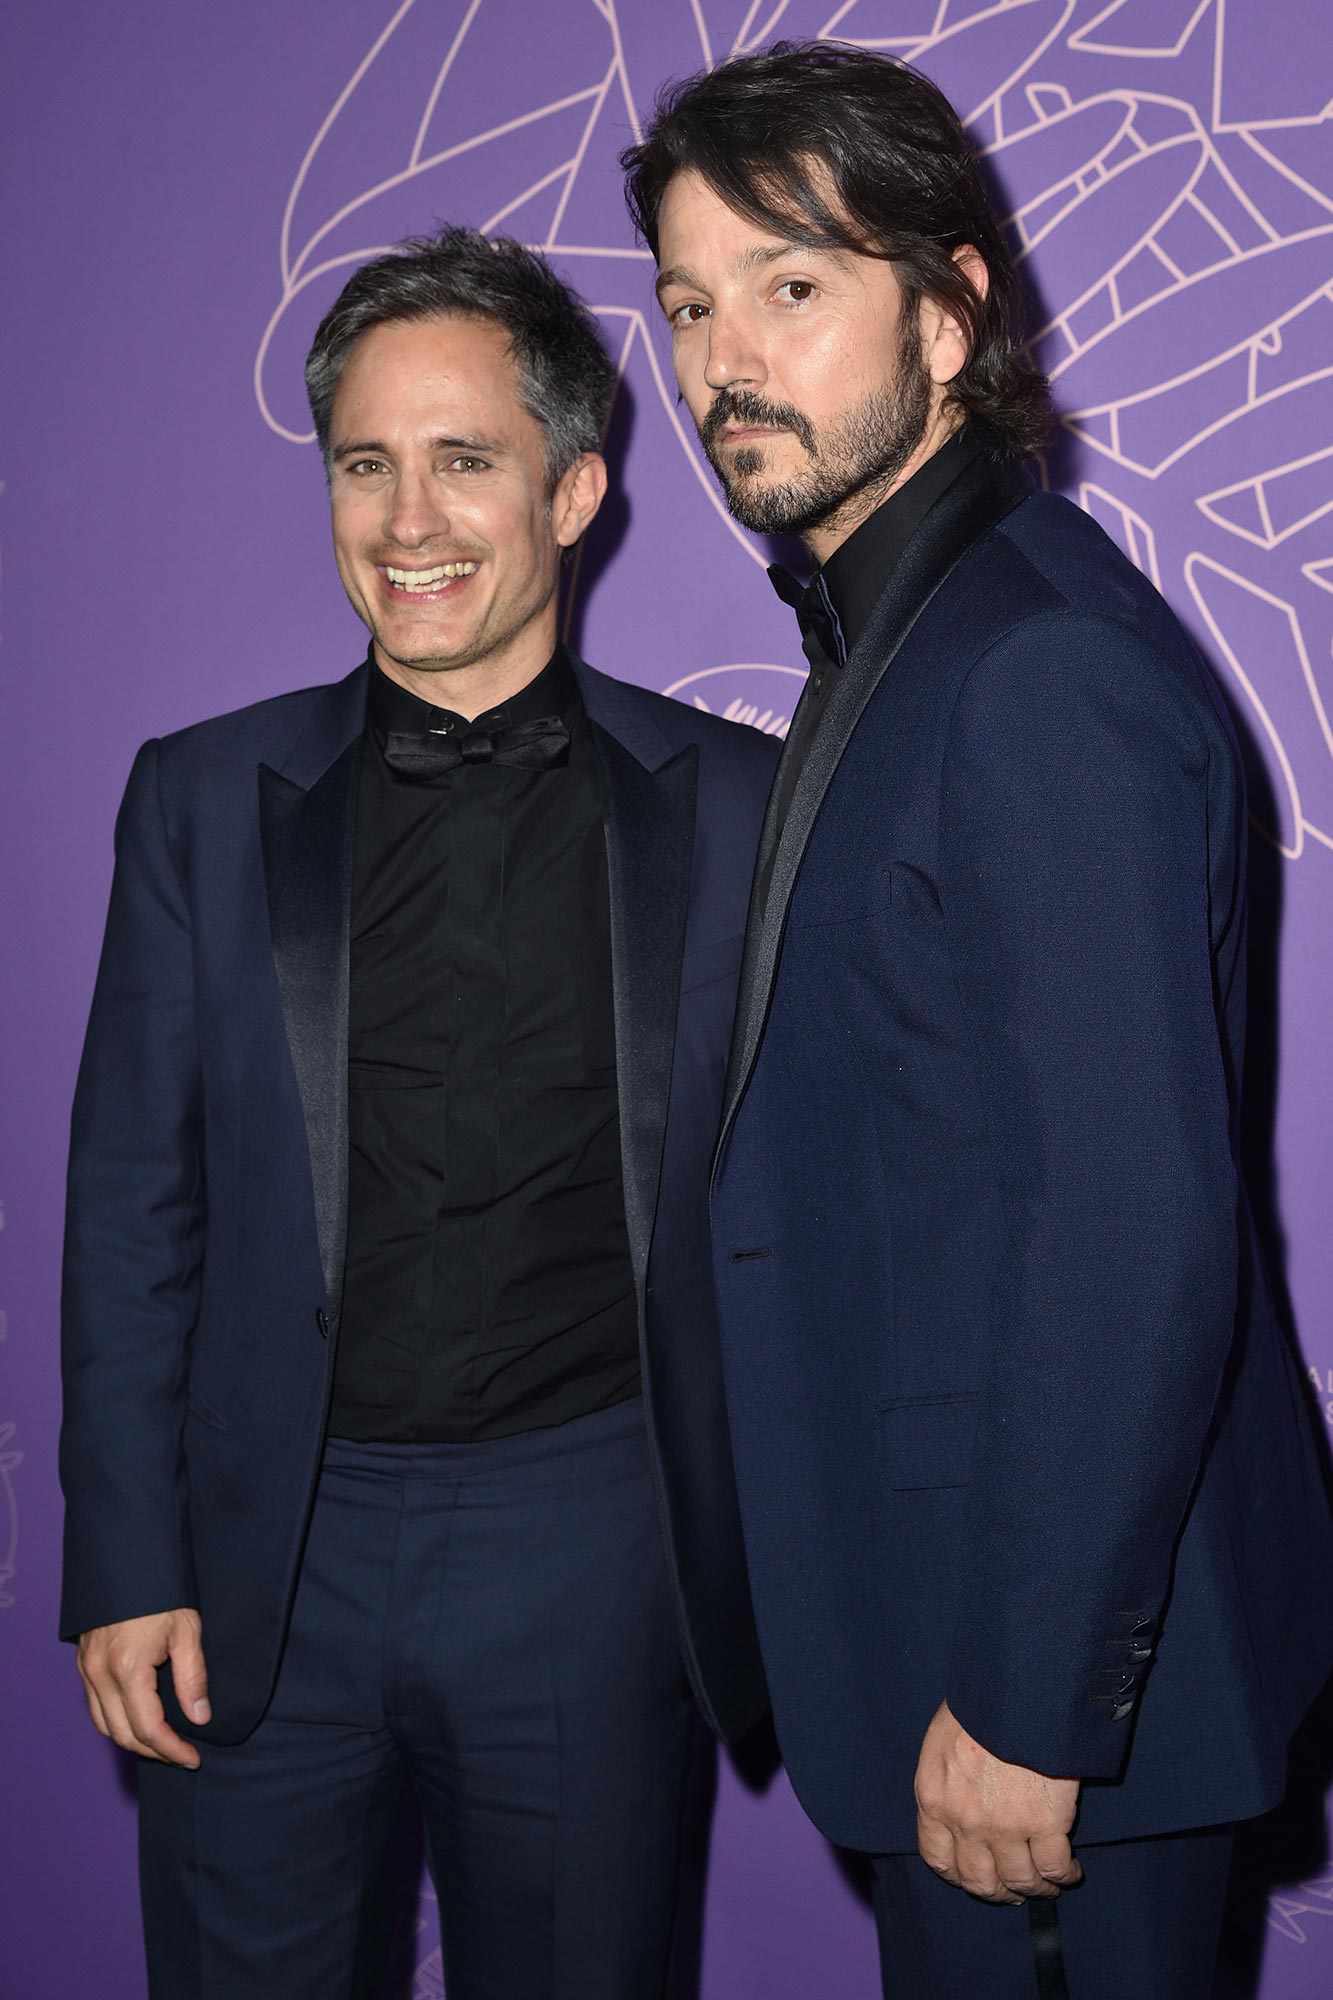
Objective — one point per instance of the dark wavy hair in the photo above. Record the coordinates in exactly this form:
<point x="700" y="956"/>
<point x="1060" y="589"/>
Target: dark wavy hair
<point x="566" y="378"/>
<point x="837" y="148"/>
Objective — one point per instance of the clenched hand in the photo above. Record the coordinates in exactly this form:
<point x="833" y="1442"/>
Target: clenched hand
<point x="997" y="1830"/>
<point x="118" y="1667"/>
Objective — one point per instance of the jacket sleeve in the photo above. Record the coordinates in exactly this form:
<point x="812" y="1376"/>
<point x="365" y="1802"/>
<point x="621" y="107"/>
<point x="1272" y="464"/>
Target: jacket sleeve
<point x="133" y="1241"/>
<point x="1075" y="874"/>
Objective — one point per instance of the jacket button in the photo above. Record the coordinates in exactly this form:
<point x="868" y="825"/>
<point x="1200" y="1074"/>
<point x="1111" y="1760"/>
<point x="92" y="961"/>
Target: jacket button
<point x="322" y="1322"/>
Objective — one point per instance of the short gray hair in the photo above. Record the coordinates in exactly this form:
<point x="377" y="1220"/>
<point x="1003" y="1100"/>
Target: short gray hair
<point x="565" y="376"/>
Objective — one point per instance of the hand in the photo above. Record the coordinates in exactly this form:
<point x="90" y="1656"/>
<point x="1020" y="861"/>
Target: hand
<point x="117" y="1665"/>
<point x="997" y="1830"/>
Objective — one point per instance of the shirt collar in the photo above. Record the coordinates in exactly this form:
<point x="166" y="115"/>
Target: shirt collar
<point x="554" y="691"/>
<point x="839" y="598"/>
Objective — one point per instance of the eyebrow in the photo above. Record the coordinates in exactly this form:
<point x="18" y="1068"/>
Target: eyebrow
<point x="372" y="447"/>
<point x="756" y="258"/>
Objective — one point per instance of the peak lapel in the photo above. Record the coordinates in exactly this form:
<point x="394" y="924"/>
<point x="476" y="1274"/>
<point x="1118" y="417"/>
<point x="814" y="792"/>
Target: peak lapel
<point x="650" y="818"/>
<point x="981" y="496"/>
<point x="306" y="813"/>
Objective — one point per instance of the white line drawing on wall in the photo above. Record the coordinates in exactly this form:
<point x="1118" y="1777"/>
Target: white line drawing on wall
<point x="1287" y="647"/>
<point x="1159" y="28"/>
<point x="770" y="717"/>
<point x="1270" y="497"/>
<point x="975" y="55"/>
<point x="1290" y="1912"/>
<point x="1182" y="251"/>
<point x="428" y="1980"/>
<point x="10" y="1461"/>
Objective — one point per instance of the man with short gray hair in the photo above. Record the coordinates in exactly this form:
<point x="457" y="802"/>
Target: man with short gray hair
<point x="391" y="1391"/>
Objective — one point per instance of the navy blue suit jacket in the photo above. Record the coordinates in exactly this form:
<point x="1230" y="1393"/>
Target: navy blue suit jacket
<point x="1013" y="1423"/>
<point x="208" y="1178"/>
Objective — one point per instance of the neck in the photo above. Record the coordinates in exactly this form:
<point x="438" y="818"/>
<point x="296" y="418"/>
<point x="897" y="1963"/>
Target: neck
<point x="833" y="532"/>
<point x="470" y="687"/>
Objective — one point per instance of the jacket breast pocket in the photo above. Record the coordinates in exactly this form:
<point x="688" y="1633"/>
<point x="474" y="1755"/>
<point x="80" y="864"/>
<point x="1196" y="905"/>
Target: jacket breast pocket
<point x="927" y="1441"/>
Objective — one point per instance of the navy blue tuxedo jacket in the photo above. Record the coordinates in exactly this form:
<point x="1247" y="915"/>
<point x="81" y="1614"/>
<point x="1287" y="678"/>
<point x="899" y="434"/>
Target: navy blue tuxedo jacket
<point x="1013" y="1423"/>
<point x="208" y="1179"/>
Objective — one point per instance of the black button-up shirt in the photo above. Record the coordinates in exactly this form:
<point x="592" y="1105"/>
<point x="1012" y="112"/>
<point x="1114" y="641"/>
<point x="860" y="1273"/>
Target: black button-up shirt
<point x="834" y="607"/>
<point x="489" y="1287"/>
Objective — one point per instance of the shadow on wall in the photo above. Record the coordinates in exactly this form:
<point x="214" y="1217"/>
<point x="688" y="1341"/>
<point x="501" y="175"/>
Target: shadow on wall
<point x="1288" y="1846"/>
<point x="1274" y="1856"/>
<point x="602" y="543"/>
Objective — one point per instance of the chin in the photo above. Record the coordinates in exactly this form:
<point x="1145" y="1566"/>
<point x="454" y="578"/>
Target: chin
<point x="424" y="658"/>
<point x="415" y="647"/>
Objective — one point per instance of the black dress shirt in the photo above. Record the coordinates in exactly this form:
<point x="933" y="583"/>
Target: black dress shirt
<point x="489" y="1287"/>
<point x="834" y="607"/>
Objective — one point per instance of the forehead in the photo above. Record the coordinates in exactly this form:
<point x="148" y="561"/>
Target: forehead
<point x="692" y="216"/>
<point x="430" y="367"/>
<point x="697" y="230"/>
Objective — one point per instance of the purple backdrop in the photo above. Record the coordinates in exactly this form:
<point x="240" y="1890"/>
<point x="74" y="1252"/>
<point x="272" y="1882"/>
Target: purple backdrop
<point x="191" y="183"/>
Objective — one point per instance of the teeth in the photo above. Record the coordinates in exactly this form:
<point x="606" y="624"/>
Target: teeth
<point x="429" y="579"/>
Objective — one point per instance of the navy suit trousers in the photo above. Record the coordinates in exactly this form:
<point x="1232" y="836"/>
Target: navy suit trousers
<point x="1145" y="1922"/>
<point x="492" y="1627"/>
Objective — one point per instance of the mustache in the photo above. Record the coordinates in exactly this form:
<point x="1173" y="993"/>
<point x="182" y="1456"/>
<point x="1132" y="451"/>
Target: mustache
<point x="742" y="406"/>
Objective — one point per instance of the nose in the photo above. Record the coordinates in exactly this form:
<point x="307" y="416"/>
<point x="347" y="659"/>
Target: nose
<point x="416" y="511"/>
<point x="733" y="355"/>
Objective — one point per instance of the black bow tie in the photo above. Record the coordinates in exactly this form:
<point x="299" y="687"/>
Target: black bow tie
<point x="821" y="630"/>
<point x="429" y="753"/>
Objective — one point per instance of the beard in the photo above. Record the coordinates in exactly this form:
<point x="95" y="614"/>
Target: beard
<point x="852" y="464"/>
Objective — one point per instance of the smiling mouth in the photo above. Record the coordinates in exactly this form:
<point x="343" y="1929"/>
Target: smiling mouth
<point x="434" y="582"/>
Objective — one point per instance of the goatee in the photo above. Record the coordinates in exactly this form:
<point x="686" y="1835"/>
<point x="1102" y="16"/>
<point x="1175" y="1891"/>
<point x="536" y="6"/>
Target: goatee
<point x="852" y="465"/>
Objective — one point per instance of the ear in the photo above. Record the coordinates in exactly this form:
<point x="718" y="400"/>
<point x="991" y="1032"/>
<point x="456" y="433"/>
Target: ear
<point x="578" y="495"/>
<point x="944" y="339"/>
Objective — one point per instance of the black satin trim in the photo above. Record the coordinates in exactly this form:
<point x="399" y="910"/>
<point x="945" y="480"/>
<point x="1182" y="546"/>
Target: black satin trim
<point x="650" y="849"/>
<point x="1048" y="1958"/>
<point x="307" y="847"/>
<point x="983" y="493"/>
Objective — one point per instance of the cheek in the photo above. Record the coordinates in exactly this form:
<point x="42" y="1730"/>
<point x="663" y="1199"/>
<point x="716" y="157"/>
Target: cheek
<point x="826" y="371"/>
<point x="689" y="358"/>
<point x="351" y="522"/>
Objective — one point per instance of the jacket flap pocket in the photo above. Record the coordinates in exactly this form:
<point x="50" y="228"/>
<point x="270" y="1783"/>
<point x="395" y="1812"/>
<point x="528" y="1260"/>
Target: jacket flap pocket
<point x="927" y="1441"/>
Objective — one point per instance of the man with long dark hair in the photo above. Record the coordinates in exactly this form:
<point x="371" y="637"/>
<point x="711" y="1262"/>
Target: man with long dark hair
<point x="394" y="1448"/>
<point x="1037" y="1538"/>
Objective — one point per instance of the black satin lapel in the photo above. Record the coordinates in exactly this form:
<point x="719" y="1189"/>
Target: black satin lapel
<point x="650" y="848"/>
<point x="307" y="844"/>
<point x="740" y="1054"/>
<point x="980" y="497"/>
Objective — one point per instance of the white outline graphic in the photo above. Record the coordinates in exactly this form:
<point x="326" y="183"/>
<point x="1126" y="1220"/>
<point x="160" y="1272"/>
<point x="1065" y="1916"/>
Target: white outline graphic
<point x="1199" y="566"/>
<point x="1290" y="1910"/>
<point x="768" y="721"/>
<point x="10" y="1461"/>
<point x="1184" y="261"/>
